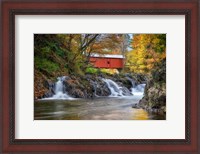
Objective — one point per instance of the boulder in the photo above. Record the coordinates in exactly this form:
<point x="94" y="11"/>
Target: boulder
<point x="154" y="99"/>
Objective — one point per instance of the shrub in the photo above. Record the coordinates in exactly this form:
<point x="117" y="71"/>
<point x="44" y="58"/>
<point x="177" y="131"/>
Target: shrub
<point x="92" y="70"/>
<point x="44" y="64"/>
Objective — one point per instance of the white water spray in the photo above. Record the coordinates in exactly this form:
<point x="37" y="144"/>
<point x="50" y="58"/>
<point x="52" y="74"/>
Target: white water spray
<point x="138" y="90"/>
<point x="115" y="89"/>
<point x="59" y="90"/>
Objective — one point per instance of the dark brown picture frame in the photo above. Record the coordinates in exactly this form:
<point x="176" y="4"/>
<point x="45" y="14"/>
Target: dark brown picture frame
<point x="189" y="8"/>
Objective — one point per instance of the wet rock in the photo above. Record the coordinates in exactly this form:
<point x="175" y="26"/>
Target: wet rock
<point x="88" y="86"/>
<point x="40" y="89"/>
<point x="126" y="92"/>
<point x="69" y="84"/>
<point x="136" y="106"/>
<point x="154" y="99"/>
<point x="48" y="94"/>
<point x="77" y="93"/>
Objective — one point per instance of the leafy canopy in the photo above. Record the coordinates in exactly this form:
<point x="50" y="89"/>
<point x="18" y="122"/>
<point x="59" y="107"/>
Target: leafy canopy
<point x="147" y="51"/>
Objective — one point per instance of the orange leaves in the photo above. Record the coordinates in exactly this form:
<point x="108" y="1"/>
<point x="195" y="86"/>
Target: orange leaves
<point x="148" y="49"/>
<point x="108" y="43"/>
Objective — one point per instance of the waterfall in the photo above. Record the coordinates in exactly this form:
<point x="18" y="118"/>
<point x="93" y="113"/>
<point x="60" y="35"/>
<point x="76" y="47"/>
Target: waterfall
<point x="103" y="87"/>
<point x="59" y="89"/>
<point x="115" y="89"/>
<point x="138" y="90"/>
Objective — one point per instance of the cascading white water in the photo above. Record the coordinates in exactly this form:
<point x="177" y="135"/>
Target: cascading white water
<point x="138" y="90"/>
<point x="59" y="88"/>
<point x="115" y="89"/>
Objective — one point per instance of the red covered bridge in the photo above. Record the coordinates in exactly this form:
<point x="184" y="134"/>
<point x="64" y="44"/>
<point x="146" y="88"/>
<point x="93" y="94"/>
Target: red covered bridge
<point x="107" y="61"/>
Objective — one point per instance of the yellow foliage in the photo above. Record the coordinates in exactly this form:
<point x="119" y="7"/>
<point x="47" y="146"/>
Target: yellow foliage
<point x="148" y="49"/>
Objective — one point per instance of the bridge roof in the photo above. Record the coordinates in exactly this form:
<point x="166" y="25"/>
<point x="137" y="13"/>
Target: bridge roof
<point x="106" y="56"/>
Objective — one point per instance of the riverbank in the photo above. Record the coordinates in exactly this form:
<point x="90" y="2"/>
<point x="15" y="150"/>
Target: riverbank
<point x="154" y="99"/>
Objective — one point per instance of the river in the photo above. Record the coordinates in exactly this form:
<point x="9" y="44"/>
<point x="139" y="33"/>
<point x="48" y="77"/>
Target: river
<point x="100" y="108"/>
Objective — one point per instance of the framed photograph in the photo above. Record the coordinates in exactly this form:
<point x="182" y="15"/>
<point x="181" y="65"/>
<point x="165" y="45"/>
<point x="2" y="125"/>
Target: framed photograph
<point x="113" y="76"/>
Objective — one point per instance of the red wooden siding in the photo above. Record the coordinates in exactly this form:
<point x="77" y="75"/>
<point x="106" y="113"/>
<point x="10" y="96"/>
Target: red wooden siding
<point x="102" y="62"/>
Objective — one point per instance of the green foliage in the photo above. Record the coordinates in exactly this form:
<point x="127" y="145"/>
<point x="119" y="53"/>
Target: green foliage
<point x="91" y="70"/>
<point x="109" y="71"/>
<point x="45" y="51"/>
<point x="159" y="42"/>
<point x="44" y="64"/>
<point x="71" y="52"/>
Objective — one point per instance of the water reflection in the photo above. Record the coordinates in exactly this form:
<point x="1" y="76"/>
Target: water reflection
<point x="88" y="109"/>
<point x="140" y="114"/>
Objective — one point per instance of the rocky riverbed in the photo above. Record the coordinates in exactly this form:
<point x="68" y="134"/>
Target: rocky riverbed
<point x="90" y="85"/>
<point x="151" y="87"/>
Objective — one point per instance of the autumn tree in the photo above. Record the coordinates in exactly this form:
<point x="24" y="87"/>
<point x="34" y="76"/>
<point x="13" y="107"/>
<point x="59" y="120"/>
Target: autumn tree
<point x="147" y="51"/>
<point x="74" y="47"/>
<point x="71" y="52"/>
<point x="63" y="52"/>
<point x="108" y="44"/>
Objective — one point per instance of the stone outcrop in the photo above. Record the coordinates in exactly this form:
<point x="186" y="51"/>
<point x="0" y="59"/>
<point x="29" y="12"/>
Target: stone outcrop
<point x="88" y="86"/>
<point x="154" y="99"/>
